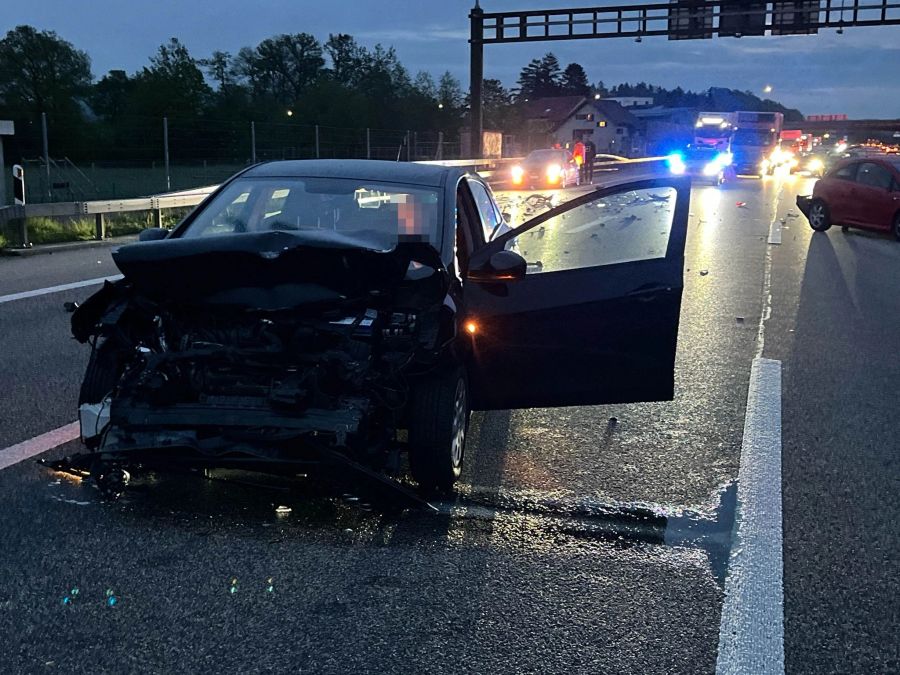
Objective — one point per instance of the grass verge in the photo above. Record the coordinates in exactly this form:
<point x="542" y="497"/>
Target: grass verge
<point x="61" y="230"/>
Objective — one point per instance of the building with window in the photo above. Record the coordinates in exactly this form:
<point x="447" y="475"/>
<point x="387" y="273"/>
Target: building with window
<point x="632" y="101"/>
<point x="563" y="119"/>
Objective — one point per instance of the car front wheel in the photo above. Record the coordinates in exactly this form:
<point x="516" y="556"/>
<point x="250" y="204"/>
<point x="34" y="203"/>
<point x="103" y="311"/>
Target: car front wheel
<point x="896" y="226"/>
<point x="439" y="421"/>
<point x="819" y="217"/>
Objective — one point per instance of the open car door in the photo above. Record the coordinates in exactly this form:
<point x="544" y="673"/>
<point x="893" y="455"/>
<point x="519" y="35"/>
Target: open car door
<point x="594" y="318"/>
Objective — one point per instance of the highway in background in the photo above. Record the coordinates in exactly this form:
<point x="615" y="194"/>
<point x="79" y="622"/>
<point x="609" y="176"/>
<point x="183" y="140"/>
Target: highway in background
<point x="593" y="539"/>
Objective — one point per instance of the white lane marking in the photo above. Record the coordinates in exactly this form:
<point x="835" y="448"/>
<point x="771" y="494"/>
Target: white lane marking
<point x="35" y="446"/>
<point x="56" y="289"/>
<point x="751" y="632"/>
<point x="775" y="232"/>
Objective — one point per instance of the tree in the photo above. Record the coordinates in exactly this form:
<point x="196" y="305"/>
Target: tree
<point x="574" y="81"/>
<point x="424" y="84"/>
<point x="219" y="67"/>
<point x="41" y="72"/>
<point x="541" y="77"/>
<point x="450" y="92"/>
<point x="110" y="96"/>
<point x="172" y="84"/>
<point x="345" y="55"/>
<point x="497" y="105"/>
<point x="282" y="67"/>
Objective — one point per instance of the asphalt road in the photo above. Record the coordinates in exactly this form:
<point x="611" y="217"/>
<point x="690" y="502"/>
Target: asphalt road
<point x="589" y="540"/>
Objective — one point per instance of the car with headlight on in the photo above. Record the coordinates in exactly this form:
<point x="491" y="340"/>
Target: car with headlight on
<point x="548" y="168"/>
<point x="345" y="317"/>
<point x="781" y="158"/>
<point x="703" y="164"/>
<point x="815" y="163"/>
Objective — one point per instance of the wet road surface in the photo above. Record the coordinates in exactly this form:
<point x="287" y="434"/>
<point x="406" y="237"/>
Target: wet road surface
<point x="590" y="540"/>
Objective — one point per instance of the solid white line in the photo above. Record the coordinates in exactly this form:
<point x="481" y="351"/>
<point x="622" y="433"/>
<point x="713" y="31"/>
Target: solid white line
<point x="751" y="632"/>
<point x="56" y="289"/>
<point x="35" y="446"/>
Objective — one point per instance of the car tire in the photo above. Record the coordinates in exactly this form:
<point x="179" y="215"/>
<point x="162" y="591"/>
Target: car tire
<point x="896" y="226"/>
<point x="819" y="216"/>
<point x="438" y="423"/>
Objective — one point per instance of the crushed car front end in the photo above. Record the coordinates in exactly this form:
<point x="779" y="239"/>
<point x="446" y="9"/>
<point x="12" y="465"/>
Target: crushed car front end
<point x="266" y="350"/>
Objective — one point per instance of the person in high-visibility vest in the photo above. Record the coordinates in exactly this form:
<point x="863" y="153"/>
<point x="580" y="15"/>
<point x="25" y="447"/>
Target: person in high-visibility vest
<point x="578" y="154"/>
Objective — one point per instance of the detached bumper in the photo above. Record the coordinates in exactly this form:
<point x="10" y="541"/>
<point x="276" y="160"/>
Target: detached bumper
<point x="803" y="202"/>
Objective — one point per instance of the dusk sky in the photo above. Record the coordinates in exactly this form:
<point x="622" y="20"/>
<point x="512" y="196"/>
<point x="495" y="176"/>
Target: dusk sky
<point x="857" y="73"/>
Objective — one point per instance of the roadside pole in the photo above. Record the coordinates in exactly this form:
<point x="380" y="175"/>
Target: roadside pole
<point x="368" y="143"/>
<point x="253" y="142"/>
<point x="317" y="141"/>
<point x="6" y="129"/>
<point x="46" y="154"/>
<point x="166" y="152"/>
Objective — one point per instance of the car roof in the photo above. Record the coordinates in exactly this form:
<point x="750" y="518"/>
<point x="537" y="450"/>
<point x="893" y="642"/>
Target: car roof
<point x="429" y="175"/>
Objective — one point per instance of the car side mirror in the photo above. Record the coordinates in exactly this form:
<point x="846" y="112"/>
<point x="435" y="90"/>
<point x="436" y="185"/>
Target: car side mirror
<point x="503" y="266"/>
<point x="507" y="218"/>
<point x="153" y="234"/>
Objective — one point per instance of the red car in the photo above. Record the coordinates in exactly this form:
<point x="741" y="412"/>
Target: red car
<point x="862" y="192"/>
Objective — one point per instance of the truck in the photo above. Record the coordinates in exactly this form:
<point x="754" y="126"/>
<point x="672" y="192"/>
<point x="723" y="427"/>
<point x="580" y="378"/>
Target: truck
<point x="714" y="130"/>
<point x="756" y="137"/>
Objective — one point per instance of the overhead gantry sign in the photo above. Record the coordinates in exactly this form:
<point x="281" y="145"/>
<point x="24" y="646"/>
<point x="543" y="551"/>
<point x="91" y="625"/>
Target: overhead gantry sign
<point x="677" y="19"/>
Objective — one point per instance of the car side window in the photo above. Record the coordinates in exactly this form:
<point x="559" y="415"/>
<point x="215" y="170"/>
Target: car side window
<point x="874" y="176"/>
<point x="618" y="228"/>
<point x="846" y="172"/>
<point x="490" y="217"/>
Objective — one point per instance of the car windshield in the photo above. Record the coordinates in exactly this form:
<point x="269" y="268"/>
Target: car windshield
<point x="378" y="214"/>
<point x="716" y="131"/>
<point x="753" y="137"/>
<point x="543" y="156"/>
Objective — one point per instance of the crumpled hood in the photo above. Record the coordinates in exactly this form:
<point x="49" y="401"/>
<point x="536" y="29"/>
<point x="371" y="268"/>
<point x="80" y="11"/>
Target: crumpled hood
<point x="269" y="270"/>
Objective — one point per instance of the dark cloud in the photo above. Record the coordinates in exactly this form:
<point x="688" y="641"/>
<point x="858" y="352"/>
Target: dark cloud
<point x="853" y="73"/>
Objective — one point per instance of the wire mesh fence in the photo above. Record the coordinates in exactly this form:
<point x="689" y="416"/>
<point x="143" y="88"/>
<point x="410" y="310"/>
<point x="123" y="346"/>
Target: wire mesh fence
<point x="131" y="156"/>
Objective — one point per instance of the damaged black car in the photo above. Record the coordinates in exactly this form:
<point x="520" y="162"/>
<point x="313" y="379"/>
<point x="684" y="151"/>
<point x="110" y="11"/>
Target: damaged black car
<point x="347" y="314"/>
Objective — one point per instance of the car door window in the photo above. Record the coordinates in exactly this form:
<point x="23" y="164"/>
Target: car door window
<point x="490" y="217"/>
<point x="618" y="228"/>
<point x="846" y="172"/>
<point x="874" y="176"/>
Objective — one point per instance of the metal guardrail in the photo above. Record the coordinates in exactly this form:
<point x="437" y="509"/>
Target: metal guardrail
<point x="492" y="170"/>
